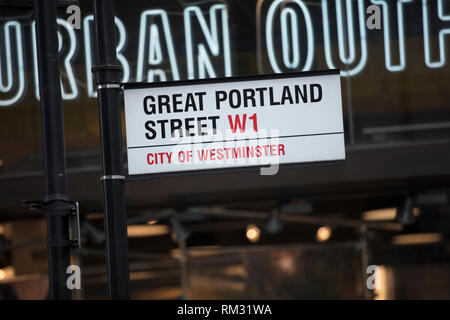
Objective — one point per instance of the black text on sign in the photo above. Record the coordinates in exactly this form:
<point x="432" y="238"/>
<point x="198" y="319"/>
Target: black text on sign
<point x="234" y="122"/>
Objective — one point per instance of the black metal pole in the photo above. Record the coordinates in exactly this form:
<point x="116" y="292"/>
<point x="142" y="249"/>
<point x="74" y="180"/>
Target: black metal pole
<point x="107" y="74"/>
<point x="56" y="204"/>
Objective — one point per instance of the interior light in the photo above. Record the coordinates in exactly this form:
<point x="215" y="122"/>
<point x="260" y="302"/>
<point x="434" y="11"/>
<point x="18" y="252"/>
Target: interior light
<point x="323" y="234"/>
<point x="253" y="233"/>
<point x="138" y="231"/>
<point x="286" y="263"/>
<point x="6" y="273"/>
<point x="418" y="238"/>
<point x="385" y="214"/>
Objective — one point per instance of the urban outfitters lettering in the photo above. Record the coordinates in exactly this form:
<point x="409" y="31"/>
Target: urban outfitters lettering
<point x="287" y="30"/>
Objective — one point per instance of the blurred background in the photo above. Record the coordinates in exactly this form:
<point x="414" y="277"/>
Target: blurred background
<point x="382" y="218"/>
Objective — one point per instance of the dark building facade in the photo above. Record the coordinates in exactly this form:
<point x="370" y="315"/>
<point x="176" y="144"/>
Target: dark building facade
<point x="395" y="93"/>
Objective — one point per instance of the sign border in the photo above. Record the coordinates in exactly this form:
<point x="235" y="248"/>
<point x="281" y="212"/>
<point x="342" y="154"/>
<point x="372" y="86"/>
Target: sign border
<point x="150" y="176"/>
<point x="144" y="85"/>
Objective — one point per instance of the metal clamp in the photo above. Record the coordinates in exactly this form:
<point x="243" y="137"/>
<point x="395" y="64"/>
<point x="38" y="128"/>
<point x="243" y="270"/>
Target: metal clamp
<point x="109" y="86"/>
<point x="112" y="177"/>
<point x="74" y="223"/>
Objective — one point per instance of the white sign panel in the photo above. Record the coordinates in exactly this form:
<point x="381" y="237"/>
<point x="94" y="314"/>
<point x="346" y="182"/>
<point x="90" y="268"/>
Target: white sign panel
<point x="234" y="122"/>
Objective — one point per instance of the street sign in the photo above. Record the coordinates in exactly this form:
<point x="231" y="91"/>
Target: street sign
<point x="234" y="122"/>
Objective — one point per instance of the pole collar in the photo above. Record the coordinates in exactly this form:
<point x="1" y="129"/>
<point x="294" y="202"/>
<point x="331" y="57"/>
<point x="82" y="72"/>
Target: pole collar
<point x="109" y="86"/>
<point x="112" y="177"/>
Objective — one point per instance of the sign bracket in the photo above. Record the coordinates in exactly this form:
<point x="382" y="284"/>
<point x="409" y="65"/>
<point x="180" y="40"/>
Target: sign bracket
<point x="66" y="208"/>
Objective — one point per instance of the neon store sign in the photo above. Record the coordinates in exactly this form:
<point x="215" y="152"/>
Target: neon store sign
<point x="156" y="59"/>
